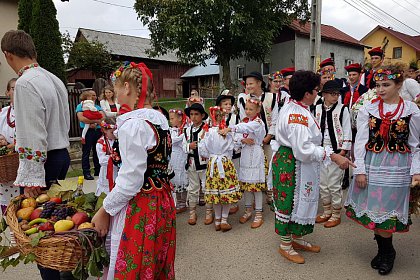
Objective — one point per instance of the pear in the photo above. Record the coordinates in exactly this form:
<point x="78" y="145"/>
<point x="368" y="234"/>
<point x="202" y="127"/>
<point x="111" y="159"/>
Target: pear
<point x="63" y="225"/>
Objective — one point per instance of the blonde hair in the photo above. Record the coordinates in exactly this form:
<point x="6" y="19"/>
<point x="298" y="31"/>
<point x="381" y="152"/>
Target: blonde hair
<point x="110" y="88"/>
<point x="133" y="77"/>
<point x="86" y="95"/>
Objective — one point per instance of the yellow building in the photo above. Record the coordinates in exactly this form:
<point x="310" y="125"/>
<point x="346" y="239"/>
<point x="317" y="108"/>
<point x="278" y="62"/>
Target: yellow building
<point x="8" y="20"/>
<point x="399" y="47"/>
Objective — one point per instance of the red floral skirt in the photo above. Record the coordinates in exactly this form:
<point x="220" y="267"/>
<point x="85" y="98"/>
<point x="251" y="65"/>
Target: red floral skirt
<point x="147" y="246"/>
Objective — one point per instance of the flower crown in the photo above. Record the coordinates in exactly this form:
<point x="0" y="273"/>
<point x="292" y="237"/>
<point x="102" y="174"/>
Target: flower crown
<point x="324" y="72"/>
<point x="105" y="125"/>
<point x="275" y="75"/>
<point x="384" y="75"/>
<point x="178" y="112"/>
<point x="256" y="102"/>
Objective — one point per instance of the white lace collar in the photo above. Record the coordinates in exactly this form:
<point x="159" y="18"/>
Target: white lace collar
<point x="153" y="116"/>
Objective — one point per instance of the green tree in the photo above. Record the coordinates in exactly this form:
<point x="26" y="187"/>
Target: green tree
<point x="25" y="15"/>
<point x="45" y="32"/>
<point x="226" y="29"/>
<point x="92" y="56"/>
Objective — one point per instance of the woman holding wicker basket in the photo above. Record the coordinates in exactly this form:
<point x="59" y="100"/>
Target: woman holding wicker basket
<point x="139" y="212"/>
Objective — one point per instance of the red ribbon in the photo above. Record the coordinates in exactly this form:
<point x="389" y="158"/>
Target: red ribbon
<point x="386" y="118"/>
<point x="145" y="72"/>
<point x="110" y="173"/>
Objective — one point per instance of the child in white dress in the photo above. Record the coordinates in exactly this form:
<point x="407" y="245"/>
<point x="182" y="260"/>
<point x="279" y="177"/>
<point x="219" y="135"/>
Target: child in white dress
<point x="178" y="121"/>
<point x="104" y="149"/>
<point x="252" y="175"/>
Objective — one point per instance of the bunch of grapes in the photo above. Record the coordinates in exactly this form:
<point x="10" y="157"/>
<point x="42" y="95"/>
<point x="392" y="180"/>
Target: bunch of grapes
<point x="64" y="212"/>
<point x="3" y="151"/>
<point x="48" y="209"/>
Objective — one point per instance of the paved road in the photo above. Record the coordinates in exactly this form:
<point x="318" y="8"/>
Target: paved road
<point x="244" y="253"/>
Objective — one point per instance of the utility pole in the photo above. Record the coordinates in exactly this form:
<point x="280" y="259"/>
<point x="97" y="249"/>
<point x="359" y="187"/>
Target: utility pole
<point x="315" y="36"/>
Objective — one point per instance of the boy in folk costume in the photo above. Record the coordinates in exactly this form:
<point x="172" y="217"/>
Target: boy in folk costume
<point x="196" y="165"/>
<point x="252" y="174"/>
<point x="222" y="186"/>
<point x="334" y="120"/>
<point x="226" y="101"/>
<point x="296" y="167"/>
<point x="178" y="121"/>
<point x="104" y="149"/>
<point x="287" y="74"/>
<point x="255" y="87"/>
<point x="377" y="56"/>
<point x="354" y="89"/>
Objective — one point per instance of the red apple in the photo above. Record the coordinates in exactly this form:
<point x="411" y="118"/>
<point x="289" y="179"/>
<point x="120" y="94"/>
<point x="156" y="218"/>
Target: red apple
<point x="35" y="214"/>
<point x="56" y="200"/>
<point x="80" y="218"/>
<point x="46" y="226"/>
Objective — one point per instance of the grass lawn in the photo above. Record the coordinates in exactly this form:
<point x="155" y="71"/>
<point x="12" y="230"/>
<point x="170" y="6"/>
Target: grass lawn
<point x="179" y="103"/>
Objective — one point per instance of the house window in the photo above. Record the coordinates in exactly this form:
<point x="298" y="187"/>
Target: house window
<point x="348" y="62"/>
<point x="265" y="68"/>
<point x="240" y="70"/>
<point x="397" y="53"/>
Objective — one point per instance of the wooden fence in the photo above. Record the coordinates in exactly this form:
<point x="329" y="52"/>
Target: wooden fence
<point x="74" y="100"/>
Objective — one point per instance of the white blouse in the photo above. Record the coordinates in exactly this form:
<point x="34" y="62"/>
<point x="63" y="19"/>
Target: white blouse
<point x="107" y="108"/>
<point x="362" y="135"/>
<point x="135" y="137"/>
<point x="297" y="129"/>
<point x="5" y="130"/>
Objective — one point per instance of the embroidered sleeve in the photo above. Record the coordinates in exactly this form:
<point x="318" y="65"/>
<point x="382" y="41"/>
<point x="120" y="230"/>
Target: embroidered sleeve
<point x="274" y="117"/>
<point x="202" y="147"/>
<point x="362" y="137"/>
<point x="186" y="142"/>
<point x="31" y="137"/>
<point x="133" y="149"/>
<point x="414" y="142"/>
<point x="347" y="134"/>
<point x="298" y="119"/>
<point x="101" y="152"/>
<point x="250" y="127"/>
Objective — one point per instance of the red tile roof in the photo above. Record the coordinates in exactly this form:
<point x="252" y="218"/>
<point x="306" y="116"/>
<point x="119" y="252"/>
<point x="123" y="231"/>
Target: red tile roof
<point x="327" y="32"/>
<point x="413" y="41"/>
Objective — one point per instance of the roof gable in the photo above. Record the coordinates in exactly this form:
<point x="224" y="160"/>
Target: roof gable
<point x="124" y="45"/>
<point x="327" y="32"/>
<point x="413" y="41"/>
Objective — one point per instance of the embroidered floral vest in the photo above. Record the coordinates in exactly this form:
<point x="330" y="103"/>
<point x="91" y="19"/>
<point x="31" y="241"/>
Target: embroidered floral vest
<point x="156" y="176"/>
<point x="397" y="136"/>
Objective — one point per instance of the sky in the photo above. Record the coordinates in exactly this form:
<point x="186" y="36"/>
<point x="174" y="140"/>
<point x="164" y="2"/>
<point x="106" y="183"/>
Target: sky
<point x="94" y="14"/>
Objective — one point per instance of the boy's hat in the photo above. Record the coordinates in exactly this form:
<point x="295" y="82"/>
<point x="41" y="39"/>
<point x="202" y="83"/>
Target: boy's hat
<point x="331" y="86"/>
<point x="326" y="62"/>
<point x="196" y="107"/>
<point x="378" y="51"/>
<point x="222" y="97"/>
<point x="256" y="75"/>
<point x="355" y="67"/>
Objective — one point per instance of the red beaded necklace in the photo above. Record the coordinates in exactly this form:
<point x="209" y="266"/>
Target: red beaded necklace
<point x="387" y="117"/>
<point x="10" y="123"/>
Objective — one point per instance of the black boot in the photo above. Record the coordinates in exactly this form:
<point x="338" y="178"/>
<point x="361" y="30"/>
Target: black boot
<point x="388" y="256"/>
<point x="378" y="258"/>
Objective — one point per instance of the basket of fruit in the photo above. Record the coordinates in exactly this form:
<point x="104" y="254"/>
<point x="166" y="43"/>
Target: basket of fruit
<point x="58" y="234"/>
<point x="9" y="163"/>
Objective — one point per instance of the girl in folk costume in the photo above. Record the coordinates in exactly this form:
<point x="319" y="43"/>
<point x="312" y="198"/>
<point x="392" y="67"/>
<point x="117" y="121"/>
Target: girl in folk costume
<point x="178" y="120"/>
<point x="252" y="174"/>
<point x="140" y="207"/>
<point x="334" y="120"/>
<point x="296" y="167"/>
<point x="222" y="186"/>
<point x="7" y="138"/>
<point x="226" y="102"/>
<point x="108" y="171"/>
<point x="387" y="155"/>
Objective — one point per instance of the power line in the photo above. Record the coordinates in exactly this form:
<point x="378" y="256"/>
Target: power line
<point x="382" y="18"/>
<point x="405" y="8"/>
<point x="418" y="32"/>
<point x="409" y="3"/>
<point x="363" y="12"/>
<point x="113" y="4"/>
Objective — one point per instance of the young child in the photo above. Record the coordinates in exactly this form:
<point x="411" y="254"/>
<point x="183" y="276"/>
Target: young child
<point x="178" y="119"/>
<point x="104" y="149"/>
<point x="226" y="101"/>
<point x="387" y="156"/>
<point x="89" y="111"/>
<point x="222" y="187"/>
<point x="196" y="164"/>
<point x="252" y="175"/>
<point x="334" y="120"/>
<point x="140" y="210"/>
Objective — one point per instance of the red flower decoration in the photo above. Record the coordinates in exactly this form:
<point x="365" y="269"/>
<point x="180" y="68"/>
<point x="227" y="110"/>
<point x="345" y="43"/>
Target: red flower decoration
<point x="283" y="178"/>
<point x="29" y="157"/>
<point x="290" y="156"/>
<point x="283" y="194"/>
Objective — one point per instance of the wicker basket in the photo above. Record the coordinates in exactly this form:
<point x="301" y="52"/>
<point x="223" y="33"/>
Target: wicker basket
<point x="60" y="252"/>
<point x="9" y="165"/>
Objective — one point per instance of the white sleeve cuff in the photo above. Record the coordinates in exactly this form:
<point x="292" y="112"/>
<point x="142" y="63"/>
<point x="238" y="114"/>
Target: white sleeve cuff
<point x="328" y="151"/>
<point x="360" y="167"/>
<point x="30" y="174"/>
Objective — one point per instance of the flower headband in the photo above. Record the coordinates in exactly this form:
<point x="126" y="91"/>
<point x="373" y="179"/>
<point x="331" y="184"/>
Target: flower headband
<point x="256" y="102"/>
<point x="275" y="75"/>
<point x="105" y="125"/>
<point x="324" y="72"/>
<point x="145" y="72"/>
<point x="178" y="112"/>
<point x="183" y="121"/>
<point x="384" y="75"/>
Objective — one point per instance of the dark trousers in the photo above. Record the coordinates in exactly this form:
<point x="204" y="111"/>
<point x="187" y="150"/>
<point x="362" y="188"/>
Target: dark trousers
<point x="92" y="136"/>
<point x="56" y="166"/>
